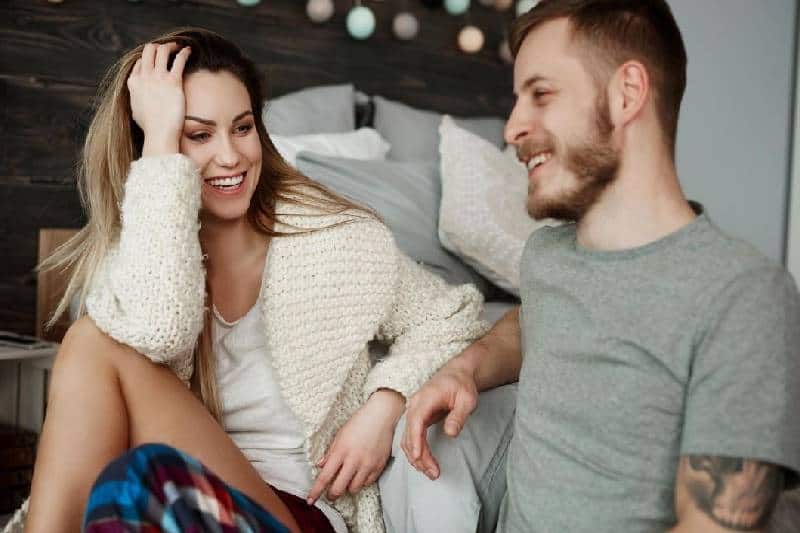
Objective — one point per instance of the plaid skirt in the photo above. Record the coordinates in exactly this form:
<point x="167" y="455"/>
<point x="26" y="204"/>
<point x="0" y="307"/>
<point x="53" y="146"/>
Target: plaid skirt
<point x="155" y="488"/>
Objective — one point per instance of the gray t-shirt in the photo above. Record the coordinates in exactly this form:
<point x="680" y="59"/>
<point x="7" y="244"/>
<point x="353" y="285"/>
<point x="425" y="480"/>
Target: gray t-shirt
<point x="688" y="345"/>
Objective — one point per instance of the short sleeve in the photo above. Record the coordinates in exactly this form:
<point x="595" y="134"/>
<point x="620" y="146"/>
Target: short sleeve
<point x="743" y="395"/>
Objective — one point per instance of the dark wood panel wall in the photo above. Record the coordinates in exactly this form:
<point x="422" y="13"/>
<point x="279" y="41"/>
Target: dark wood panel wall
<point x="52" y="57"/>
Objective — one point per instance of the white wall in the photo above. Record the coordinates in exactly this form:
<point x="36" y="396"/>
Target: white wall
<point x="734" y="146"/>
<point x="793" y="247"/>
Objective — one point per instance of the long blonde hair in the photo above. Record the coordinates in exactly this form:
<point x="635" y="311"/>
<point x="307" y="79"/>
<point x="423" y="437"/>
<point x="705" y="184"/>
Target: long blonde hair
<point x="114" y="140"/>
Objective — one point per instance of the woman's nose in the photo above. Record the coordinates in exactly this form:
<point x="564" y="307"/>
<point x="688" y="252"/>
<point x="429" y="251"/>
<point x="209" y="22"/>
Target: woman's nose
<point x="228" y="153"/>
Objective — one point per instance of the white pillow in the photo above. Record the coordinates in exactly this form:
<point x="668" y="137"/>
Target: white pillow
<point x="483" y="217"/>
<point x="363" y="143"/>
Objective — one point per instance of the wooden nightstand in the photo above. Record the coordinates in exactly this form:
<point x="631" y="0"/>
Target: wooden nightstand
<point x="23" y="392"/>
<point x="23" y="385"/>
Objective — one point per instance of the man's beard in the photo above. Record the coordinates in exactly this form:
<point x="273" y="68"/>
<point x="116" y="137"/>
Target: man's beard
<point x="593" y="162"/>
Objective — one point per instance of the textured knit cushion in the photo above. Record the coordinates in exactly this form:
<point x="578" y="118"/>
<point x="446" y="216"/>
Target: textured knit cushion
<point x="324" y="109"/>
<point x="483" y="217"/>
<point x="406" y="195"/>
<point x="363" y="143"/>
<point x="414" y="133"/>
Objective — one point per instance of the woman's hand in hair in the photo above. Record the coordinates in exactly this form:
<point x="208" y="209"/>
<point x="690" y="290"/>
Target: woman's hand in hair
<point x="361" y="448"/>
<point x="158" y="104"/>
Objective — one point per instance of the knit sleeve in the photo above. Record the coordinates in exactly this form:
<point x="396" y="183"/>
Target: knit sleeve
<point x="149" y="291"/>
<point x="429" y="323"/>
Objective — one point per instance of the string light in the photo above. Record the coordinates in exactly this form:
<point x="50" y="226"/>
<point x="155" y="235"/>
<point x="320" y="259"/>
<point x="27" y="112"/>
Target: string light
<point x="360" y="22"/>
<point x="320" y="11"/>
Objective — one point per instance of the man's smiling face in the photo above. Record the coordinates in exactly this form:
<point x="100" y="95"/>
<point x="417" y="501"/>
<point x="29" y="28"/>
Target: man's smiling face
<point x="560" y="125"/>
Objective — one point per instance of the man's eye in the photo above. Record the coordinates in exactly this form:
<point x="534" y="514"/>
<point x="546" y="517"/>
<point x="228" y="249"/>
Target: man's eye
<point x="244" y="128"/>
<point x="199" y="136"/>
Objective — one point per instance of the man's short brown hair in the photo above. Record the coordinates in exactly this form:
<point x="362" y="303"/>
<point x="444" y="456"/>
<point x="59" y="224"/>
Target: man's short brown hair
<point x="611" y="32"/>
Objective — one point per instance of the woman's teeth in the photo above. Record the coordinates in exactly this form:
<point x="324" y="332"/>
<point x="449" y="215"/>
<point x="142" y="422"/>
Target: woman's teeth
<point x="539" y="159"/>
<point x="227" y="183"/>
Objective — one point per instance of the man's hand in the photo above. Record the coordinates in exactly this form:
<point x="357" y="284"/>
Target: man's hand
<point x="491" y="361"/>
<point x="361" y="448"/>
<point x="716" y="494"/>
<point x="451" y="392"/>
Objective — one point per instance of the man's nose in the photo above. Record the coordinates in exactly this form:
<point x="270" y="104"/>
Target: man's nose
<point x="517" y="127"/>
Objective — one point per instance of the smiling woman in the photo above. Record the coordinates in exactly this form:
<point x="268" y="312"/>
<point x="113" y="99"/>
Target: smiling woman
<point x="206" y="253"/>
<point x="224" y="144"/>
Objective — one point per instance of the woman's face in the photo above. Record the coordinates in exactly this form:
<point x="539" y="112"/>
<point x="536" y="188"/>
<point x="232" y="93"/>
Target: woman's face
<point x="220" y="136"/>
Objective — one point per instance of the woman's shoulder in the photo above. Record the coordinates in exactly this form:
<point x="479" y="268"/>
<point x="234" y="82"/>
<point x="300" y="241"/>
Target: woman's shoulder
<point x="351" y="223"/>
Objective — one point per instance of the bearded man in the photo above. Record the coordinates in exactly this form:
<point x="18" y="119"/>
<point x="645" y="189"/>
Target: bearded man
<point x="658" y="359"/>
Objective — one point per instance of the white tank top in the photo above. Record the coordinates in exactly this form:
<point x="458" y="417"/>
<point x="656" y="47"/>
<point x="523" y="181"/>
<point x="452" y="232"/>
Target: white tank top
<point x="255" y="415"/>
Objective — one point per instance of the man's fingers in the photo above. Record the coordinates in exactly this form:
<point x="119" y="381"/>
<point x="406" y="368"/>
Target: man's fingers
<point x="162" y="55"/>
<point x="464" y="405"/>
<point x="428" y="464"/>
<point x="416" y="429"/>
<point x="324" y="478"/>
<point x="342" y="480"/>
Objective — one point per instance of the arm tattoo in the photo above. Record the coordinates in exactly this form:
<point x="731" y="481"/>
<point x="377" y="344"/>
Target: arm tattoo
<point x="736" y="493"/>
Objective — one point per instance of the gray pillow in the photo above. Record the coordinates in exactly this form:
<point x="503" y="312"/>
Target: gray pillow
<point x="323" y="109"/>
<point x="414" y="133"/>
<point x="406" y="195"/>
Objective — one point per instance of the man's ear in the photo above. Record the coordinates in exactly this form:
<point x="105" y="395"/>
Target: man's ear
<point x="628" y="92"/>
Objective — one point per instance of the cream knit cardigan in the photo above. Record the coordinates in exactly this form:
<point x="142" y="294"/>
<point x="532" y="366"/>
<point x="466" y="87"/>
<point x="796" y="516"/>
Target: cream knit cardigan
<point x="324" y="296"/>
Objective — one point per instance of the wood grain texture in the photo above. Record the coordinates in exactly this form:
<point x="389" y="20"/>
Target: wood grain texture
<point x="51" y="285"/>
<point x="54" y="56"/>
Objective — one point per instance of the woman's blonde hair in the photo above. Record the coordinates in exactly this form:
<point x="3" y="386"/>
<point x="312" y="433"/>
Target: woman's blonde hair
<point x="114" y="140"/>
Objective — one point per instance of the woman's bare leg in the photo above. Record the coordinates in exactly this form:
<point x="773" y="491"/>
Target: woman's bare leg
<point x="104" y="398"/>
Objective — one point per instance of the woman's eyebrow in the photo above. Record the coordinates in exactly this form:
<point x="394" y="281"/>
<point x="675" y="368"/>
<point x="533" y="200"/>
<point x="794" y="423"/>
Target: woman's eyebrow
<point x="212" y="123"/>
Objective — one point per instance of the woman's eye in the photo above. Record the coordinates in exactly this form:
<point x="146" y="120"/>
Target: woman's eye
<point x="202" y="136"/>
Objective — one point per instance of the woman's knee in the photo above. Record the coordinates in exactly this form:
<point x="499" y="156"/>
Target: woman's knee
<point x="86" y="353"/>
<point x="87" y="345"/>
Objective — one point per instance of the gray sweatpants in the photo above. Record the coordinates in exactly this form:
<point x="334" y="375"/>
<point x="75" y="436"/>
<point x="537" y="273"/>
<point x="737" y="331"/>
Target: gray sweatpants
<point x="466" y="497"/>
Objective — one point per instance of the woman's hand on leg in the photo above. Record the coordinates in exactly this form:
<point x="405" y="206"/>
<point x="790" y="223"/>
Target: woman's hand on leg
<point x="361" y="448"/>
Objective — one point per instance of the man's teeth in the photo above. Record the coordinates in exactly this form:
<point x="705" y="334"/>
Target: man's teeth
<point x="538" y="159"/>
<point x="232" y="181"/>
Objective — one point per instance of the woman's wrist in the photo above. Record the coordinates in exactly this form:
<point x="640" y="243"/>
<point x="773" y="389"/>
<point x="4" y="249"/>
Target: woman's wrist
<point x="390" y="401"/>
<point x="153" y="147"/>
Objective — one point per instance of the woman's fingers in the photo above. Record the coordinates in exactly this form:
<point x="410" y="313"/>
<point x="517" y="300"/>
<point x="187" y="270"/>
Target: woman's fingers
<point x="162" y="55"/>
<point x="148" y="57"/>
<point x="324" y="478"/>
<point x="372" y="478"/>
<point x="346" y="474"/>
<point x="180" y="61"/>
<point x="321" y="462"/>
<point x="358" y="481"/>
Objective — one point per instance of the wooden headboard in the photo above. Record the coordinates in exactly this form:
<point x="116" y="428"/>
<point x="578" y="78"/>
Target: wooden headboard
<point x="55" y="56"/>
<point x="50" y="285"/>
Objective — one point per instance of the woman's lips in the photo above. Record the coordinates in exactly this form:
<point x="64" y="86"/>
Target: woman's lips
<point x="227" y="186"/>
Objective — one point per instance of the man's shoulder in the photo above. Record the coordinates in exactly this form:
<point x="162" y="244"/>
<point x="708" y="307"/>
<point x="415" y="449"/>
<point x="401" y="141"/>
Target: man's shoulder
<point x="725" y="258"/>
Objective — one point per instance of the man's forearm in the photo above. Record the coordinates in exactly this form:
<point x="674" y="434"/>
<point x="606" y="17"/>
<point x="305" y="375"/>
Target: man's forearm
<point x="496" y="358"/>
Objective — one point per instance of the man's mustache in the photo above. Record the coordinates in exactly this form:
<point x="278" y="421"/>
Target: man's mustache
<point x="531" y="146"/>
